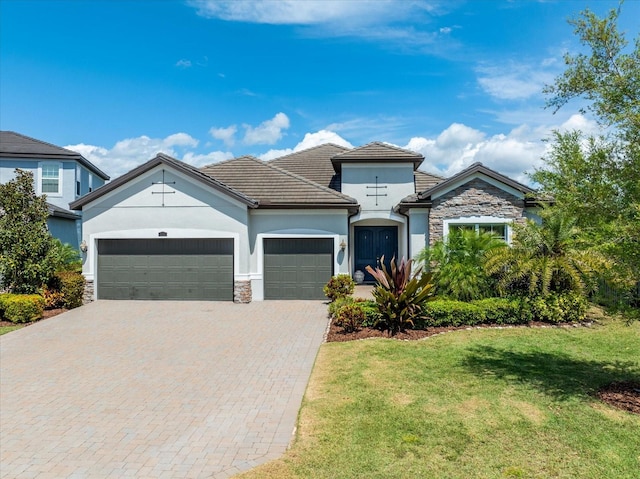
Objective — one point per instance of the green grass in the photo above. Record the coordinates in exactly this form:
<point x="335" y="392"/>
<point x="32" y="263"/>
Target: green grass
<point x="510" y="403"/>
<point x="8" y="329"/>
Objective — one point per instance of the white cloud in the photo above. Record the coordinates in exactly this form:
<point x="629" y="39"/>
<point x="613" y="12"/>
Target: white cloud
<point x="183" y="63"/>
<point x="309" y="141"/>
<point x="515" y="81"/>
<point x="129" y="153"/>
<point x="227" y="135"/>
<point x="268" y="132"/>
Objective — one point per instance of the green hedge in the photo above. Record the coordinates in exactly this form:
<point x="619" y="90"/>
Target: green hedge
<point x="21" y="308"/>
<point x="71" y="285"/>
<point x="368" y="307"/>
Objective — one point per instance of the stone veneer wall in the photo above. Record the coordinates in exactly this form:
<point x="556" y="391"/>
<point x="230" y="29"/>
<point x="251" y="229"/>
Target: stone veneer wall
<point x="87" y="296"/>
<point x="475" y="198"/>
<point x="242" y="292"/>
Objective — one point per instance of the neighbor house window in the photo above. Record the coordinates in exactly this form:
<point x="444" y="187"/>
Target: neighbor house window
<point x="50" y="178"/>
<point x="496" y="226"/>
<point x="78" y="176"/>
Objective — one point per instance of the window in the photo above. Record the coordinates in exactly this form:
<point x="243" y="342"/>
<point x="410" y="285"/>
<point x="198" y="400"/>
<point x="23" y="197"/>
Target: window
<point x="50" y="178"/>
<point x="78" y="176"/>
<point x="495" y="226"/>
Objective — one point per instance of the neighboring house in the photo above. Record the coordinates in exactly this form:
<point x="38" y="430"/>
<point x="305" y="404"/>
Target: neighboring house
<point x="60" y="174"/>
<point x="245" y="229"/>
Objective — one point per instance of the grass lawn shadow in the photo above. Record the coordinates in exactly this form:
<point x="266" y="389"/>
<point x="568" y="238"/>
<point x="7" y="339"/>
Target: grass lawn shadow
<point x="556" y="374"/>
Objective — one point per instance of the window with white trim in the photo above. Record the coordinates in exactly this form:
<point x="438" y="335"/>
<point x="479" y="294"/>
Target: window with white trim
<point x="50" y="178"/>
<point x="78" y="180"/>
<point x="497" y="226"/>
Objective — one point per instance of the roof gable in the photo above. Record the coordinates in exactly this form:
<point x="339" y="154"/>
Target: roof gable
<point x="377" y="152"/>
<point x="162" y="159"/>
<point x="275" y="187"/>
<point x="474" y="171"/>
<point x="15" y="145"/>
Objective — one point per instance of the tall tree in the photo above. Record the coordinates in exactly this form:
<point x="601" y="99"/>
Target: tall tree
<point x="25" y="242"/>
<point x="597" y="179"/>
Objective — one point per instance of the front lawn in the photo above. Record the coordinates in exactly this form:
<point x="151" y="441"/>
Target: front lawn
<point x="489" y="403"/>
<point x="8" y="329"/>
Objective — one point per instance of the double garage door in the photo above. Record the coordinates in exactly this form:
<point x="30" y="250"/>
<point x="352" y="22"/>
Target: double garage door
<point x="191" y="269"/>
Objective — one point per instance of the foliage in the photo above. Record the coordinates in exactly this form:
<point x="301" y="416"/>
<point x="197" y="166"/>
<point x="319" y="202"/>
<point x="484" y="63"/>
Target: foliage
<point x="505" y="310"/>
<point x="399" y="294"/>
<point x="21" y="308"/>
<point x="545" y="257"/>
<point x="350" y="317"/>
<point x="457" y="264"/>
<point x="442" y="312"/>
<point x="339" y="286"/>
<point x="335" y="306"/>
<point x="568" y="307"/>
<point x="369" y="307"/>
<point x="597" y="179"/>
<point x="52" y="298"/>
<point x="71" y="285"/>
<point x="65" y="257"/>
<point x="25" y="243"/>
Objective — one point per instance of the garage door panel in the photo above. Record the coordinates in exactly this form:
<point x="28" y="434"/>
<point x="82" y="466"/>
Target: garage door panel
<point x="195" y="269"/>
<point x="297" y="268"/>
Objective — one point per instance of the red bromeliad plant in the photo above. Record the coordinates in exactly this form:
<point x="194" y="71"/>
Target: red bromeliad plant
<point x="399" y="294"/>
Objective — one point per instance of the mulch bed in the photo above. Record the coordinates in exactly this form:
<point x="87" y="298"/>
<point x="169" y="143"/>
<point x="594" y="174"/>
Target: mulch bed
<point x="622" y="395"/>
<point x="48" y="313"/>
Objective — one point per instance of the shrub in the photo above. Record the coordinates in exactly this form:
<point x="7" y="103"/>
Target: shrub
<point x="350" y="317"/>
<point x="399" y="294"/>
<point x="339" y="286"/>
<point x="71" y="285"/>
<point x="21" y="308"/>
<point x="371" y="313"/>
<point x="444" y="312"/>
<point x="52" y="298"/>
<point x="336" y="305"/>
<point x="558" y="307"/>
<point x="504" y="311"/>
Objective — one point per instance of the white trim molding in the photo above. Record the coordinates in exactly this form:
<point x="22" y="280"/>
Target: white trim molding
<point x="478" y="220"/>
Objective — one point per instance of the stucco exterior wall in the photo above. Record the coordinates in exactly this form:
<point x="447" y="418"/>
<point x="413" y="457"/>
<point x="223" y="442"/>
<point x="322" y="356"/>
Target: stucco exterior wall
<point x="134" y="211"/>
<point x="395" y="181"/>
<point x="474" y="199"/>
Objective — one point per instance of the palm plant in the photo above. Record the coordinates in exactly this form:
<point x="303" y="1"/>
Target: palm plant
<point x="545" y="257"/>
<point x="457" y="264"/>
<point x="400" y="294"/>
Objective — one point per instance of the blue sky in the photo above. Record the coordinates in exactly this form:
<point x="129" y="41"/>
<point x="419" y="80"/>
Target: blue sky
<point x="204" y="80"/>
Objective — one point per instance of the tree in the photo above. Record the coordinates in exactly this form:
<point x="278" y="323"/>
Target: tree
<point x="597" y="179"/>
<point x="547" y="257"/>
<point x="457" y="264"/>
<point x="25" y="242"/>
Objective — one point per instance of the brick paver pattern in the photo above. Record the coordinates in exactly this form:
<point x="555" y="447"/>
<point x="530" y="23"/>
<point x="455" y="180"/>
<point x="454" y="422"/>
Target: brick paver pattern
<point x="151" y="389"/>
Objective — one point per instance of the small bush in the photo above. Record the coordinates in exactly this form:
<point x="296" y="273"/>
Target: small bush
<point x="371" y="313"/>
<point x="504" y="311"/>
<point x="350" y="317"/>
<point x="444" y="312"/>
<point x="335" y="306"/>
<point x="339" y="286"/>
<point x="52" y="299"/>
<point x="71" y="285"/>
<point x="21" y="308"/>
<point x="558" y="307"/>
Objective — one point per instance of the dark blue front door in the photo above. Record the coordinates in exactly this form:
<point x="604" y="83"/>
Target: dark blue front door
<point x="371" y="244"/>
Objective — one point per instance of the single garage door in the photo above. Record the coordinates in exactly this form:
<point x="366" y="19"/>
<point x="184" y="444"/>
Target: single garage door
<point x="195" y="269"/>
<point x="297" y="268"/>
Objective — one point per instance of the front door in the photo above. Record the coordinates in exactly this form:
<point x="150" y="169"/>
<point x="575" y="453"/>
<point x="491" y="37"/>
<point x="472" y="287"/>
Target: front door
<point x="371" y="244"/>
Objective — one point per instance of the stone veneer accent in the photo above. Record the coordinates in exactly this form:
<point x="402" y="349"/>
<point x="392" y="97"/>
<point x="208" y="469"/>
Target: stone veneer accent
<point x="87" y="296"/>
<point x="475" y="198"/>
<point x="242" y="291"/>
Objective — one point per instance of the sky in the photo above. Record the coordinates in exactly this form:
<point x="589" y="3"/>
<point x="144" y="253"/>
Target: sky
<point x="207" y="80"/>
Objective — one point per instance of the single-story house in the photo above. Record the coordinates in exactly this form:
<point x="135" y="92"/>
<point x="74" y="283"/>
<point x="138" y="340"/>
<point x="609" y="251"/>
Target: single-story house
<point x="246" y="229"/>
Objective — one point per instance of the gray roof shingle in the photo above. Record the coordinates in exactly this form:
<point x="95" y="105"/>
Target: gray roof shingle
<point x="15" y="145"/>
<point x="377" y="152"/>
<point x="275" y="187"/>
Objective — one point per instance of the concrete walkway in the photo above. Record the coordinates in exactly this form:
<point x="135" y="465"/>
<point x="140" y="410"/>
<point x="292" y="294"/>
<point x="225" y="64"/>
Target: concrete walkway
<point x="155" y="389"/>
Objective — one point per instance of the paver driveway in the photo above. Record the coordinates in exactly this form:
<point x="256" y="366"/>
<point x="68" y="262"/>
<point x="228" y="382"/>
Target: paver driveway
<point x="155" y="389"/>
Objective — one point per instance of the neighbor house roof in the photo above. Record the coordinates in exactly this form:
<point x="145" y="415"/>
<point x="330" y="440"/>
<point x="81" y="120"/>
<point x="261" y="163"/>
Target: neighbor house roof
<point x="61" y="212"/>
<point x="377" y="152"/>
<point x="275" y="187"/>
<point x="15" y="145"/>
<point x="313" y="164"/>
<point x="172" y="162"/>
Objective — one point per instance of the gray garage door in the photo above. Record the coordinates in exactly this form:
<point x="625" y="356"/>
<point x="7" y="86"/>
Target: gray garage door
<point x="196" y="269"/>
<point x="297" y="268"/>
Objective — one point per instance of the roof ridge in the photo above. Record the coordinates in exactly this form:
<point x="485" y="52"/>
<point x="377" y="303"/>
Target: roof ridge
<point x="385" y="144"/>
<point x="228" y="160"/>
<point x="42" y="142"/>
<point x="309" y="149"/>
<point x="432" y="174"/>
